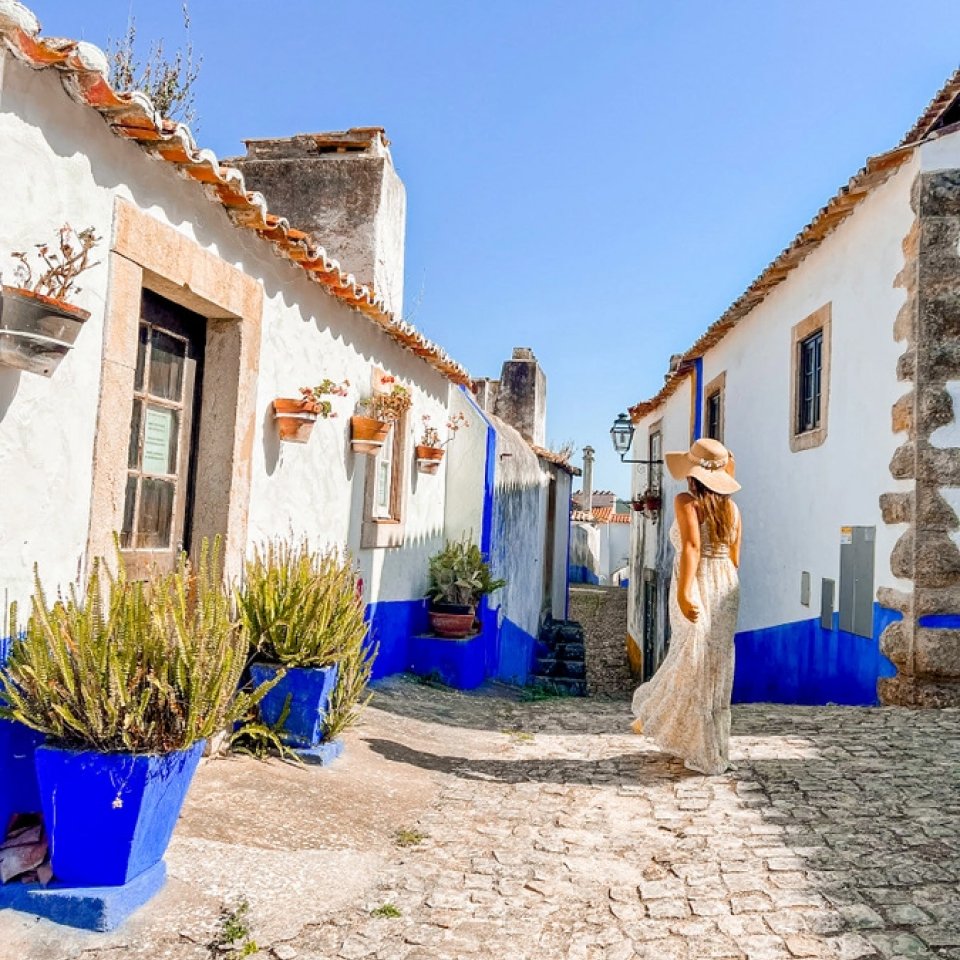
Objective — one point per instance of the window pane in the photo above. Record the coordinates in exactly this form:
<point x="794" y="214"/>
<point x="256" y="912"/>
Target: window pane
<point x="141" y="358"/>
<point x="129" y="503"/>
<point x="161" y="430"/>
<point x="166" y="366"/>
<point x="133" y="450"/>
<point x="156" y="513"/>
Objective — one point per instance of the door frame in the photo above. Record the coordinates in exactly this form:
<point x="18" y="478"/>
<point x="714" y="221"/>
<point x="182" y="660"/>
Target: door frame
<point x="146" y="254"/>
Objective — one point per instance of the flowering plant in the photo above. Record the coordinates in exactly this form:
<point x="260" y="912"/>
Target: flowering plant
<point x="59" y="267"/>
<point x="314" y="398"/>
<point x="386" y="405"/>
<point x="431" y="436"/>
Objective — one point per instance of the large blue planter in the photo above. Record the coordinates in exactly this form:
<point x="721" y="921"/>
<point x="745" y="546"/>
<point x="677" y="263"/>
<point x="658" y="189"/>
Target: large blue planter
<point x="309" y="690"/>
<point x="18" y="775"/>
<point x="110" y="816"/>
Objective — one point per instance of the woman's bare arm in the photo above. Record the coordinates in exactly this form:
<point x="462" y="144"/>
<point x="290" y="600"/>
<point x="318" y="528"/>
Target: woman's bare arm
<point x="735" y="546"/>
<point x="689" y="525"/>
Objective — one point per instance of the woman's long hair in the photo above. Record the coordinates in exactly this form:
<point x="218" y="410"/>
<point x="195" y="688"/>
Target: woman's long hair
<point x="716" y="510"/>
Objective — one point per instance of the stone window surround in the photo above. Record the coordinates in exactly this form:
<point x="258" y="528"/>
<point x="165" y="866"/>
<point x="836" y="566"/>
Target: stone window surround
<point x="146" y="253"/>
<point x="820" y="319"/>
<point x="718" y="385"/>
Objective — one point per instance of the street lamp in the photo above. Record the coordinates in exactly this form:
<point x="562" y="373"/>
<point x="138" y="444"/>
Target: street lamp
<point x="621" y="433"/>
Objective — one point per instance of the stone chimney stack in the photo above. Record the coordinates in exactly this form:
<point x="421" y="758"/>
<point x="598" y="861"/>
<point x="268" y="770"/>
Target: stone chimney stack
<point x="342" y="188"/>
<point x="521" y="398"/>
<point x="485" y="393"/>
<point x="586" y="501"/>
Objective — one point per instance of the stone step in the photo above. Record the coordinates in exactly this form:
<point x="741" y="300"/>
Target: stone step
<point x="551" y="667"/>
<point x="569" y="651"/>
<point x="561" y="631"/>
<point x="560" y="685"/>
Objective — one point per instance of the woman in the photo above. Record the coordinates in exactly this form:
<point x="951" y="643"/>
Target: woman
<point x="685" y="708"/>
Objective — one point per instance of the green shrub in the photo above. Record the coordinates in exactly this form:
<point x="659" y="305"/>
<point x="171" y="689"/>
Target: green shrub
<point x="301" y="608"/>
<point x="460" y="575"/>
<point x="129" y="665"/>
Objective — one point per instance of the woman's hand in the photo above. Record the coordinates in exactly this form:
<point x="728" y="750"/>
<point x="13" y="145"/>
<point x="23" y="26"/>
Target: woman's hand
<point x="688" y="608"/>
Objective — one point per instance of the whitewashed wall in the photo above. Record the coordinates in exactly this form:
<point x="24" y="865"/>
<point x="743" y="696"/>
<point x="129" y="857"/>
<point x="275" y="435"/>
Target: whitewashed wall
<point x="59" y="162"/>
<point x="795" y="503"/>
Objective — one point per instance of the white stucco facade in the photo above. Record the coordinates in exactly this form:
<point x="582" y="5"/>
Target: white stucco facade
<point x="60" y="162"/>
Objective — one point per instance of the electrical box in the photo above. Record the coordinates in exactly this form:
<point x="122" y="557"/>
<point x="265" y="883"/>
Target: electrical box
<point x="857" y="549"/>
<point x="827" y="591"/>
<point x="805" y="588"/>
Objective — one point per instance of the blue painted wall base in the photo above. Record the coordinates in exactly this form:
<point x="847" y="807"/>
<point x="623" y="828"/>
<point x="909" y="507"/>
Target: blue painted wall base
<point x="392" y="624"/>
<point x="89" y="908"/>
<point x="516" y="653"/>
<point x="18" y="774"/>
<point x="803" y="663"/>
<point x="582" y="574"/>
<point x="457" y="663"/>
<point x="323" y="754"/>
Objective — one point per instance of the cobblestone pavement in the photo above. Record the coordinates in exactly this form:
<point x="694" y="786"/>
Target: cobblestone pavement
<point x="549" y="832"/>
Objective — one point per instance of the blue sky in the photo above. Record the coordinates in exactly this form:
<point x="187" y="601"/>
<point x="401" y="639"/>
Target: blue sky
<point x="598" y="182"/>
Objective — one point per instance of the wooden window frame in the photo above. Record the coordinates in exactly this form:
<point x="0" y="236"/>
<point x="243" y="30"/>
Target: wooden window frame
<point x="654" y="470"/>
<point x="717" y="387"/>
<point x="387" y="531"/>
<point x="818" y="321"/>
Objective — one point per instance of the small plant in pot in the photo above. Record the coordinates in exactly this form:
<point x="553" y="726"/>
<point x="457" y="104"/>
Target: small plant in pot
<point x="370" y="427"/>
<point x="126" y="679"/>
<point x="459" y="577"/>
<point x="296" y="416"/>
<point x="38" y="323"/>
<point x="430" y="448"/>
<point x="303" y="615"/>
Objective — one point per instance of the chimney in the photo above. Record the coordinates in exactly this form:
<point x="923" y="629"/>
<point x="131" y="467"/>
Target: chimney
<point x="521" y="398"/>
<point x="586" y="501"/>
<point x="342" y="188"/>
<point x="485" y="392"/>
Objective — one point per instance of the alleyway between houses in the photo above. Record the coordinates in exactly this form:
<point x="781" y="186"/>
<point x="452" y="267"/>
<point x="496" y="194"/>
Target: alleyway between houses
<point x="548" y="832"/>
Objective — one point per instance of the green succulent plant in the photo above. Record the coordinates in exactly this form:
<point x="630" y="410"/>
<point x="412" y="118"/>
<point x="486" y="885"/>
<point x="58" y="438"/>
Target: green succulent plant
<point x="129" y="666"/>
<point x="460" y="575"/>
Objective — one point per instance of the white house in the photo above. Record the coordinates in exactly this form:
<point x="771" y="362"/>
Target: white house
<point x="208" y="303"/>
<point x="835" y="380"/>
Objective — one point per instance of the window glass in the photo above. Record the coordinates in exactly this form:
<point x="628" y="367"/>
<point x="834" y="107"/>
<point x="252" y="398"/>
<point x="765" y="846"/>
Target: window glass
<point x="809" y="374"/>
<point x="384" y="477"/>
<point x="714" y="426"/>
<point x="655" y="452"/>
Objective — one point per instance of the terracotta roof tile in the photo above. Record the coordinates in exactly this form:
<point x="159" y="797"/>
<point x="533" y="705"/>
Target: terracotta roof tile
<point x="84" y="72"/>
<point x="556" y="459"/>
<point x="876" y="171"/>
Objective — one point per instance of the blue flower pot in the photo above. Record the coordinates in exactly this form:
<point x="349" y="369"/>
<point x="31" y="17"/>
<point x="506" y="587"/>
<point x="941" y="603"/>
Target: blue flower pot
<point x="110" y="816"/>
<point x="309" y="690"/>
<point x="18" y="775"/>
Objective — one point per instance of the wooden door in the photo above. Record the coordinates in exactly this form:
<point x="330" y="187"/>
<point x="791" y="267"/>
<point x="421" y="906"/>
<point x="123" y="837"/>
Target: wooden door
<point x="163" y="429"/>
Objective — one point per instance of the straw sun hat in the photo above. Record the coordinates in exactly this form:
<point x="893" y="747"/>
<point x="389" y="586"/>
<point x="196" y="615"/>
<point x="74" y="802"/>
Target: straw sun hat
<point x="707" y="461"/>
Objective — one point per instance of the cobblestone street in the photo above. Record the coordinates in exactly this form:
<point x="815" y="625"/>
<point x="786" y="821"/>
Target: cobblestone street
<point x="543" y="830"/>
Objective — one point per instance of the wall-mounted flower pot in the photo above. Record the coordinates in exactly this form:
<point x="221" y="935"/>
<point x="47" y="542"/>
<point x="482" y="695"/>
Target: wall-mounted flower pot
<point x="367" y="435"/>
<point x="309" y="690"/>
<point x="110" y="816"/>
<point x="18" y="775"/>
<point x="452" y="620"/>
<point x="295" y="419"/>
<point x="36" y="332"/>
<point x="428" y="458"/>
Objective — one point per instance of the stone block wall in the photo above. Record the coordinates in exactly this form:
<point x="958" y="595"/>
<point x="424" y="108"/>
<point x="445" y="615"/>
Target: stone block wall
<point x="602" y="611"/>
<point x="925" y="645"/>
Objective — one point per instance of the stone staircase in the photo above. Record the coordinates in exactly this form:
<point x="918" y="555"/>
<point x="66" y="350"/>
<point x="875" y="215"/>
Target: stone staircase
<point x="561" y="665"/>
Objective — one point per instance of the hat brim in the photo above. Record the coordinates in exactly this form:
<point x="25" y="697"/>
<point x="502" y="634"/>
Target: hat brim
<point x="681" y="466"/>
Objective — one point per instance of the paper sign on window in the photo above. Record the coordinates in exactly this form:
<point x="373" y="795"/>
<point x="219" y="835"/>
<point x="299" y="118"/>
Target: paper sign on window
<point x="158" y="430"/>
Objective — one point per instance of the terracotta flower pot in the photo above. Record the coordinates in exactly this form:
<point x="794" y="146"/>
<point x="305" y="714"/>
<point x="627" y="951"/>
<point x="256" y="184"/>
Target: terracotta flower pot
<point x="451" y="620"/>
<point x="428" y="458"/>
<point x="37" y="332"/>
<point x="367" y="435"/>
<point x="295" y="419"/>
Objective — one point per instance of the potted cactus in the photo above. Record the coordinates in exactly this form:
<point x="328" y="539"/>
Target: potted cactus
<point x="430" y="449"/>
<point x="370" y="427"/>
<point x="38" y="324"/>
<point x="302" y="612"/>
<point x="459" y="577"/>
<point x="295" y="416"/>
<point x="126" y="679"/>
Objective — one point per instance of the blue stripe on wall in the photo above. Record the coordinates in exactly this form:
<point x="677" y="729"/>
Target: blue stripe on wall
<point x="392" y="624"/>
<point x="940" y="621"/>
<point x="803" y="663"/>
<point x="579" y="573"/>
<point x="697" y="399"/>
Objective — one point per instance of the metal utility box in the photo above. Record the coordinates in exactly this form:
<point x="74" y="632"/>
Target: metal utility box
<point x="827" y="591"/>
<point x="857" y="549"/>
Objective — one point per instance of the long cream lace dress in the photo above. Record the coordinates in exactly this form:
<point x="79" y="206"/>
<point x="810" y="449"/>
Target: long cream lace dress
<point x="685" y="707"/>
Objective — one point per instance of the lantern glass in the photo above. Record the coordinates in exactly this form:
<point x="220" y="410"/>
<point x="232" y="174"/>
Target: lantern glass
<point x="622" y="434"/>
